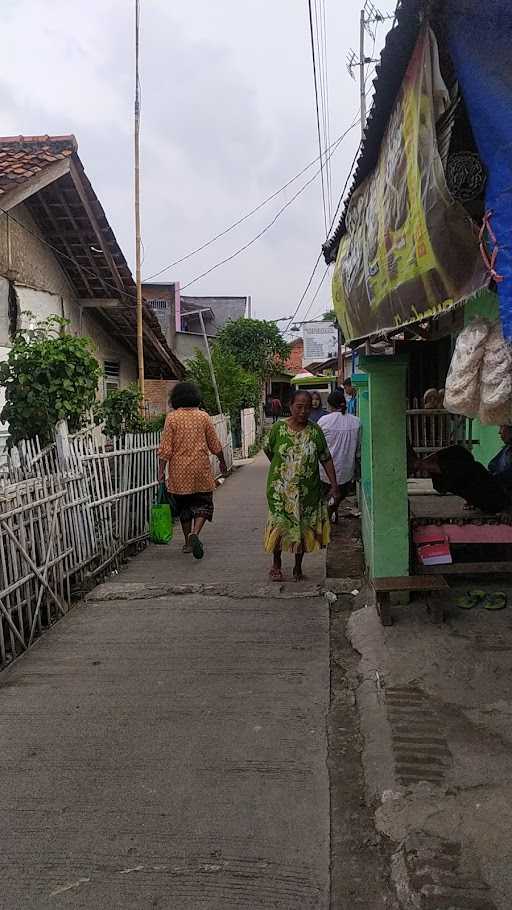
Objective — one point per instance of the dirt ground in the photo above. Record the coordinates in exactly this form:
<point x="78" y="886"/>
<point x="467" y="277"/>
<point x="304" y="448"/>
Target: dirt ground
<point x="441" y="773"/>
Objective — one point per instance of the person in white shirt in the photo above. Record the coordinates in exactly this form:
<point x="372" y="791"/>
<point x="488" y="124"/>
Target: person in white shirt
<point x="343" y="434"/>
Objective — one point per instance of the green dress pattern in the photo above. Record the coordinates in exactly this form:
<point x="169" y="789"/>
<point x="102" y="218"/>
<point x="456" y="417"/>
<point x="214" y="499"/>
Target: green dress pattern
<point x="298" y="517"/>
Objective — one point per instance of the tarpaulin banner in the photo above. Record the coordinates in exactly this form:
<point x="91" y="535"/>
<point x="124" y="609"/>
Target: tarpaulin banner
<point x="410" y="250"/>
<point x="480" y="42"/>
<point x="320" y="342"/>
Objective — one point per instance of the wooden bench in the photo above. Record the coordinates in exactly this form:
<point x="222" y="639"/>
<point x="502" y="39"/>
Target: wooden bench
<point x="427" y="584"/>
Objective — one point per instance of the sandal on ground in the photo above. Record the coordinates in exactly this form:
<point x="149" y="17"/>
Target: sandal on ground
<point x="495" y="601"/>
<point x="186" y="549"/>
<point x="470" y="599"/>
<point x="196" y="546"/>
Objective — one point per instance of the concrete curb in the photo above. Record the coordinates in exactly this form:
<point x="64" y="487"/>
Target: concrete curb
<point x="115" y="591"/>
<point x="365" y="634"/>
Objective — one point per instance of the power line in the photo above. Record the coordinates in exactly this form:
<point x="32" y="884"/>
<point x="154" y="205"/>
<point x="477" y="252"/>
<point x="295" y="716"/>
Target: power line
<point x="310" y="280"/>
<point x="315" y="295"/>
<point x="315" y="81"/>
<point x="326" y="98"/>
<point x="321" y="82"/>
<point x="248" y="215"/>
<point x="270" y="224"/>
<point x="114" y="287"/>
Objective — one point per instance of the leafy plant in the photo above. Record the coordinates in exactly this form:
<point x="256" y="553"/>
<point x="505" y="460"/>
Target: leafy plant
<point x="49" y="375"/>
<point x="119" y="412"/>
<point x="237" y="388"/>
<point x="154" y="424"/>
<point x="254" y="343"/>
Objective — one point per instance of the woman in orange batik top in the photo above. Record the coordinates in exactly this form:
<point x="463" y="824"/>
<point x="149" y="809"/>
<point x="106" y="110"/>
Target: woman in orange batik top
<point x="187" y="440"/>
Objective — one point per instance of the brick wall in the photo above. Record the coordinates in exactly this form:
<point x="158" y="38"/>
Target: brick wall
<point x="156" y="395"/>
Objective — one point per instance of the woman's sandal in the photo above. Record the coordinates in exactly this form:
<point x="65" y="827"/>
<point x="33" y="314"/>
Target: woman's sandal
<point x="196" y="546"/>
<point x="276" y="574"/>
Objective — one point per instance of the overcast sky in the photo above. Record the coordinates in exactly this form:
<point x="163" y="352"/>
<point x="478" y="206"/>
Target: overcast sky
<point x="227" y="118"/>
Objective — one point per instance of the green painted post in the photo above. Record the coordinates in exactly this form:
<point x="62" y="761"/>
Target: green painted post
<point x="360" y="381"/>
<point x="388" y="551"/>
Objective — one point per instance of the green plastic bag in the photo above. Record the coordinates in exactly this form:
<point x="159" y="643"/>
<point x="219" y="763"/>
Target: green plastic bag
<point x="161" y="523"/>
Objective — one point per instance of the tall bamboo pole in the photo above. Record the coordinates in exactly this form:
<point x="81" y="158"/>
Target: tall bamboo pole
<point x="138" y="280"/>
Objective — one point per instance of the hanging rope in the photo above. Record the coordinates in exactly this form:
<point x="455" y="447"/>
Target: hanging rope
<point x="489" y="260"/>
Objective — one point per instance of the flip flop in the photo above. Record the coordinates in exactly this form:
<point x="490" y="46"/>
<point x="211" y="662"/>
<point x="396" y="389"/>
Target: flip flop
<point x="197" y="547"/>
<point x="470" y="599"/>
<point x="495" y="601"/>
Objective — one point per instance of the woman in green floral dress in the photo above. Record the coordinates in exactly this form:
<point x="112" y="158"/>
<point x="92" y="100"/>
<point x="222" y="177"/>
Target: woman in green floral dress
<point x="298" y="519"/>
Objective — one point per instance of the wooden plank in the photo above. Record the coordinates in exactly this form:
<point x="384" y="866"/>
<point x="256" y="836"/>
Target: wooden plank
<point x="104" y="303"/>
<point x="409" y="583"/>
<point x="468" y="568"/>
<point x="67" y="251"/>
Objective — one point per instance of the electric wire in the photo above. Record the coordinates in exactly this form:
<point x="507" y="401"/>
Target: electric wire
<point x="320" y="48"/>
<point x="327" y="104"/>
<point x="132" y="296"/>
<point x="270" y="224"/>
<point x="317" y="108"/>
<point x="310" y="280"/>
<point x="247" y="215"/>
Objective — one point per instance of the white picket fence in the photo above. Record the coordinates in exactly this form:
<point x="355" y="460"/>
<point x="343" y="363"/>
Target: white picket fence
<point x="248" y="427"/>
<point x="69" y="515"/>
<point x="222" y="426"/>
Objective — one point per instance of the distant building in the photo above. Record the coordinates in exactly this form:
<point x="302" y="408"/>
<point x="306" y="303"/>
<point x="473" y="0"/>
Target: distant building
<point x="180" y="322"/>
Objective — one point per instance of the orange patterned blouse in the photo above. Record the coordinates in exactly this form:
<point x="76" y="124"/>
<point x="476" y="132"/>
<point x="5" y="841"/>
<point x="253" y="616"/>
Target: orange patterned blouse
<point x="187" y="439"/>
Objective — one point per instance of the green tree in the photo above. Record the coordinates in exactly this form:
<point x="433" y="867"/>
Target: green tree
<point x="255" y="344"/>
<point x="49" y="375"/>
<point x="237" y="387"/>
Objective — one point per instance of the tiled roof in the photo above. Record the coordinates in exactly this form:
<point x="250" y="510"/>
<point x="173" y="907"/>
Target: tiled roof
<point x="22" y="157"/>
<point x="71" y="220"/>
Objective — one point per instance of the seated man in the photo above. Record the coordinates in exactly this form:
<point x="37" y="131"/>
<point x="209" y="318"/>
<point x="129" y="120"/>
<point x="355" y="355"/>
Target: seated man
<point x="501" y="465"/>
<point x="454" y="470"/>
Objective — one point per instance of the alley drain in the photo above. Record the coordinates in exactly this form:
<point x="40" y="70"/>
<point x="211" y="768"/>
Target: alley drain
<point x="432" y="873"/>
<point x="420" y="749"/>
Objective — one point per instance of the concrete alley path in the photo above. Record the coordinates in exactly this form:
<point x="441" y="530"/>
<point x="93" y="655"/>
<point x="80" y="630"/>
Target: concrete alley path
<point x="234" y="541"/>
<point x="171" y="753"/>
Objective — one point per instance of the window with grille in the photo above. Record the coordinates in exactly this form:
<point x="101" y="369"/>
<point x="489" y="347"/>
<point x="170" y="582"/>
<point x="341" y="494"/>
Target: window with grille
<point x="112" y="369"/>
<point x="157" y="304"/>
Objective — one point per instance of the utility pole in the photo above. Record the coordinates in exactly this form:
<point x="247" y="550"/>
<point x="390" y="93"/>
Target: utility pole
<point x="369" y="20"/>
<point x="362" y="81"/>
<point x="210" y="361"/>
<point x="138" y="279"/>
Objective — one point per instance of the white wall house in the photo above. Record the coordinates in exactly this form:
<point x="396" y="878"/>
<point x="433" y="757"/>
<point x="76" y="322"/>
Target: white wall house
<point x="58" y="255"/>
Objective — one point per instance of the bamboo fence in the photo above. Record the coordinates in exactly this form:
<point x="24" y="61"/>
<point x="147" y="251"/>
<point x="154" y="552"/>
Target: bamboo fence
<point x="71" y="514"/>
